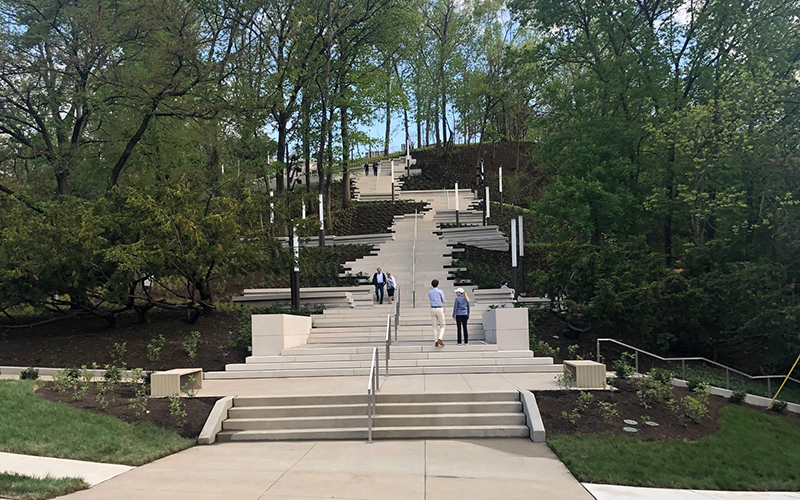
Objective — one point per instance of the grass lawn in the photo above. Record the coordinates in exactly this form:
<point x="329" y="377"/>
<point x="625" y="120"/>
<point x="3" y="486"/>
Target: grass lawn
<point x="30" y="425"/>
<point x="21" y="487"/>
<point x="751" y="451"/>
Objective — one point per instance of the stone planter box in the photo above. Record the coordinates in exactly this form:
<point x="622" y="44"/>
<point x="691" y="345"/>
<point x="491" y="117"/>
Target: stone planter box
<point x="508" y="328"/>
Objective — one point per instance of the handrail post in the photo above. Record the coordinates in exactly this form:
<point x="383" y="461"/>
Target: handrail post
<point x="598" y="350"/>
<point x="683" y="369"/>
<point x="727" y="379"/>
<point x="769" y="387"/>
<point x="637" y="360"/>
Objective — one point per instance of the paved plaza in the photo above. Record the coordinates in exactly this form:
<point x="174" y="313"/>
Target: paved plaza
<point x="509" y="469"/>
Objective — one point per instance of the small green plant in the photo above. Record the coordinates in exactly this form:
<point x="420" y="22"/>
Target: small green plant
<point x="779" y="406"/>
<point x="645" y="418"/>
<point x="737" y="397"/>
<point x="694" y="409"/>
<point x="697" y="385"/>
<point x="154" y="348"/>
<point x="656" y="387"/>
<point x="29" y="373"/>
<point x="584" y="400"/>
<point x="64" y="381"/>
<point x="81" y="383"/>
<point x="623" y="367"/>
<point x="139" y="401"/>
<point x="571" y="417"/>
<point x="608" y="410"/>
<point x="190" y="345"/>
<point x="572" y="352"/>
<point x="178" y="411"/>
<point x="189" y="387"/>
<point x="112" y="374"/>
<point x="118" y="353"/>
<point x="565" y="380"/>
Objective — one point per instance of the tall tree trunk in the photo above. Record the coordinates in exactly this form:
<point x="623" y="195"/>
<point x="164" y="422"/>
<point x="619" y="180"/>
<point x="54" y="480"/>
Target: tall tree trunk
<point x="329" y="170"/>
<point x="670" y="191"/>
<point x="281" y="171"/>
<point x="346" y="201"/>
<point x="306" y="133"/>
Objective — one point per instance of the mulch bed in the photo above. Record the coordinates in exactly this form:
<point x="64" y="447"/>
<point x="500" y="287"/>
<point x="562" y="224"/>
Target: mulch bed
<point x="119" y="400"/>
<point x="74" y="342"/>
<point x="552" y="403"/>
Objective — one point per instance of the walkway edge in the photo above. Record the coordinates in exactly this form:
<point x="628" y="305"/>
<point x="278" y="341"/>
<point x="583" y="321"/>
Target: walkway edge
<point x="533" y="417"/>
<point x="213" y="424"/>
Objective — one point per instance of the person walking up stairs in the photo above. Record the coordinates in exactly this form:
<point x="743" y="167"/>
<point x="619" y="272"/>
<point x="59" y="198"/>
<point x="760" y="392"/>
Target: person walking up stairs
<point x="437" y="300"/>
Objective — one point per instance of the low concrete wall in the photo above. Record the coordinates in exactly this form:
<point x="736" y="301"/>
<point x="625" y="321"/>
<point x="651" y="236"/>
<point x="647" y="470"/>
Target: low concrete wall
<point x="532" y="416"/>
<point x="213" y="424"/>
<point x="749" y="399"/>
<point x="508" y="328"/>
<point x="272" y="333"/>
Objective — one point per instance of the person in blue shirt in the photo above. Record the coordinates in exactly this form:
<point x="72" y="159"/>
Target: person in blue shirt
<point x="436" y="297"/>
<point x="461" y="314"/>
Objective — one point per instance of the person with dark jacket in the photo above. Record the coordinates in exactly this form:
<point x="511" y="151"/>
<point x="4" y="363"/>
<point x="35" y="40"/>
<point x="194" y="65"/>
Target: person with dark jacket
<point x="375" y="168"/>
<point x="379" y="280"/>
<point x="366" y="169"/>
<point x="461" y="314"/>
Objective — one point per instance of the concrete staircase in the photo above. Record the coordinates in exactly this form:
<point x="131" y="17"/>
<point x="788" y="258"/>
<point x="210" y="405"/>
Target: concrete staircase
<point x="399" y="416"/>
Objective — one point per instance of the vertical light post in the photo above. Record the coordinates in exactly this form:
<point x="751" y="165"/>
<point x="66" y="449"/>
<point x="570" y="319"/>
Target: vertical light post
<point x="304" y="210"/>
<point x="501" y="190"/>
<point x="457" y="224"/>
<point x="292" y="179"/>
<point x="488" y="209"/>
<point x="295" y="276"/>
<point x="321" y="222"/>
<point x="514" y="255"/>
<point x="485" y="191"/>
<point x="391" y="172"/>
<point x="408" y="155"/>
<point x="521" y="257"/>
<point x="271" y="213"/>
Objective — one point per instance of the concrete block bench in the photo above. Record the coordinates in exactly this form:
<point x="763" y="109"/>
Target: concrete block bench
<point x="169" y="383"/>
<point x="586" y="374"/>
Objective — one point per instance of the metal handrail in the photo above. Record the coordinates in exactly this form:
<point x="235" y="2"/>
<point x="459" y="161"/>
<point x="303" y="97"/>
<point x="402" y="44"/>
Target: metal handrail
<point x="683" y="361"/>
<point x="396" y="311"/>
<point x="414" y="264"/>
<point x="388" y="341"/>
<point x="373" y="386"/>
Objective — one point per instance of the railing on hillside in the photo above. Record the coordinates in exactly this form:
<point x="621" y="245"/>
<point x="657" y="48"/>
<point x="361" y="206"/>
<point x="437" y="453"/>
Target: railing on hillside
<point x="683" y="360"/>
<point x="414" y="265"/>
<point x="373" y="386"/>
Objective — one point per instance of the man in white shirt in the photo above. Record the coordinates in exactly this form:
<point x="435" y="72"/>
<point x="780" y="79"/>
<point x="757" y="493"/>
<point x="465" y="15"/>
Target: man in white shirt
<point x="379" y="280"/>
<point x="436" y="298"/>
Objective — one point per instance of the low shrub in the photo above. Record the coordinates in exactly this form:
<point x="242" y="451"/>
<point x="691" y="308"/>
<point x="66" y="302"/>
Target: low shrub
<point x="694" y="409"/>
<point x="608" y="410"/>
<point x="623" y="367"/>
<point x="29" y="373"/>
<point x="737" y="397"/>
<point x="779" y="406"/>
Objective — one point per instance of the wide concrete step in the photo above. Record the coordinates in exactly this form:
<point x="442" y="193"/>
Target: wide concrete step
<point x="402" y="347"/>
<point x="405" y="408"/>
<point x="465" y="353"/>
<point x="432" y="432"/>
<point x="421" y="337"/>
<point x="395" y="370"/>
<point x="394" y="362"/>
<point x="381" y="420"/>
<point x="381" y="330"/>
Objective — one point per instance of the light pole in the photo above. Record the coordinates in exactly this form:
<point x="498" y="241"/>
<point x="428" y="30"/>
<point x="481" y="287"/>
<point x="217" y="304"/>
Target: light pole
<point x="271" y="213"/>
<point x="501" y="190"/>
<point x="521" y="256"/>
<point x="485" y="191"/>
<point x="488" y="210"/>
<point x="457" y="225"/>
<point x="293" y="180"/>
<point x="391" y="172"/>
<point x="514" y="255"/>
<point x="321" y="222"/>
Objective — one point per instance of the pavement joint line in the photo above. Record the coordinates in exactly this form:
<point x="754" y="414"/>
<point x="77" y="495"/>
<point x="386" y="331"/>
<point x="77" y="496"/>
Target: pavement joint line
<point x="289" y="469"/>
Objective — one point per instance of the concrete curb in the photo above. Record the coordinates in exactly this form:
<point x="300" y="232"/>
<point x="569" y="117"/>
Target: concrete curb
<point x="213" y="424"/>
<point x="532" y="416"/>
<point x="749" y="399"/>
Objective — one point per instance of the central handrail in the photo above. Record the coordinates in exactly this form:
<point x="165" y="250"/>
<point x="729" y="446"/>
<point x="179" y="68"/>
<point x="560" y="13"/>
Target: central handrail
<point x="414" y="264"/>
<point x="683" y="361"/>
<point x="396" y="311"/>
<point x="388" y="341"/>
<point x="373" y="386"/>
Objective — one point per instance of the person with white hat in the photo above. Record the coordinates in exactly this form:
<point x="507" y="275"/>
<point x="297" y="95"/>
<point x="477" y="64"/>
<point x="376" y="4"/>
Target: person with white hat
<point x="461" y="314"/>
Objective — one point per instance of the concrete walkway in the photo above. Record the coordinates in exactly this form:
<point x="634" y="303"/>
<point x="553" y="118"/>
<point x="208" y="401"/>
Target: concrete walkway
<point x="91" y="472"/>
<point x="385" y="470"/>
<point x="610" y="492"/>
<point x="314" y="386"/>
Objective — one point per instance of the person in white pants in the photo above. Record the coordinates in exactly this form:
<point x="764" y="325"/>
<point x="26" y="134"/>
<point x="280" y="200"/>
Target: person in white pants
<point x="436" y="297"/>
